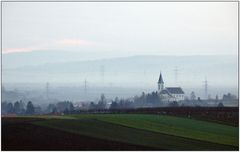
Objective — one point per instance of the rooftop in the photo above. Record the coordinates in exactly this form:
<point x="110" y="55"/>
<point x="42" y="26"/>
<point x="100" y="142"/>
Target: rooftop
<point x="175" y="90"/>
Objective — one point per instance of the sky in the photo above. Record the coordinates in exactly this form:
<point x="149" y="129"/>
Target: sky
<point x="116" y="29"/>
<point x="42" y="35"/>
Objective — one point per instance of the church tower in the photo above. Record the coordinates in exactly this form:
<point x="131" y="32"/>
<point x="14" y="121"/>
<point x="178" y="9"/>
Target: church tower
<point x="160" y="83"/>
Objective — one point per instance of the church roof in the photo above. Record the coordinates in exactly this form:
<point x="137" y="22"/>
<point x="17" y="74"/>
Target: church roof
<point x="175" y="90"/>
<point x="165" y="92"/>
<point x="160" y="80"/>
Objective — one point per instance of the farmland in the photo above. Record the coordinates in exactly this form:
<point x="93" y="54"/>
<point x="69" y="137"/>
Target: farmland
<point x="122" y="132"/>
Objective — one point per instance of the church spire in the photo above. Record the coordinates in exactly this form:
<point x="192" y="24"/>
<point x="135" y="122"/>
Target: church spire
<point x="160" y="80"/>
<point x="160" y="83"/>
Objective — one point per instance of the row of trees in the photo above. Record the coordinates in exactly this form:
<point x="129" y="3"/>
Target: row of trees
<point x="60" y="107"/>
<point x="102" y="103"/>
<point x="145" y="100"/>
<point x="18" y="108"/>
<point x="225" y="97"/>
<point x="153" y="100"/>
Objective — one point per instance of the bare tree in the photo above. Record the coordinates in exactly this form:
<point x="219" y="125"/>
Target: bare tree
<point x="192" y="96"/>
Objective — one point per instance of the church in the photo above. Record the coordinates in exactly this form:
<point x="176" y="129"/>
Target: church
<point x="169" y="93"/>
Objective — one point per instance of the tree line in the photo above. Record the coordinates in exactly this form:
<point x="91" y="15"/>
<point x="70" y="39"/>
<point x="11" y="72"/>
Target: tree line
<point x="19" y="108"/>
<point x="144" y="100"/>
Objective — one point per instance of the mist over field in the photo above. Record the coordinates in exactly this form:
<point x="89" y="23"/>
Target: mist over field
<point x="118" y="49"/>
<point x="123" y="76"/>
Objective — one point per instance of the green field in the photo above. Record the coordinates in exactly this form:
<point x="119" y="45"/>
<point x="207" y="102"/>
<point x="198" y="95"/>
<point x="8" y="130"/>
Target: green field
<point x="161" y="132"/>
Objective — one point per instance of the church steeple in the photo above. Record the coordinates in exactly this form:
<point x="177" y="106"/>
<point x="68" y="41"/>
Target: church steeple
<point x="160" y="83"/>
<point x="160" y="80"/>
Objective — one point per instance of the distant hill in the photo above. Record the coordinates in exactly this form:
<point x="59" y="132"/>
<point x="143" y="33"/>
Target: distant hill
<point x="125" y="76"/>
<point x="220" y="70"/>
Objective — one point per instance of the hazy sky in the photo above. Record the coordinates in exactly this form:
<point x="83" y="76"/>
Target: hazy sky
<point x="121" y="28"/>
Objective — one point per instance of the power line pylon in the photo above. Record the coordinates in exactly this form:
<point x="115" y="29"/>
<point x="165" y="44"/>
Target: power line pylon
<point x="206" y="88"/>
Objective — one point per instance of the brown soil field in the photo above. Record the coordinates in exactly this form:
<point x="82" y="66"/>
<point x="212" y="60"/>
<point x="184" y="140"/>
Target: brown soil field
<point x="26" y="136"/>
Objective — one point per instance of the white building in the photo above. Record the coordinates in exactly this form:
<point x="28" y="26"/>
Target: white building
<point x="169" y="93"/>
